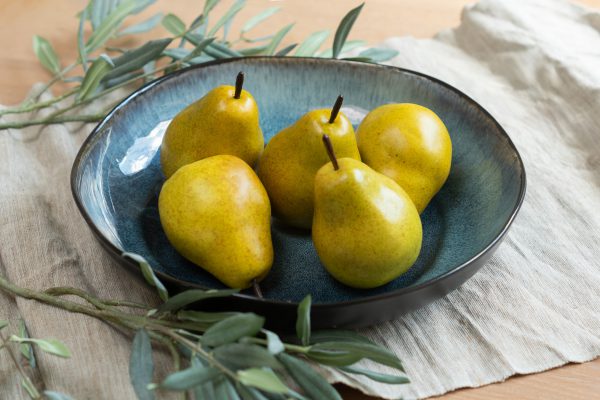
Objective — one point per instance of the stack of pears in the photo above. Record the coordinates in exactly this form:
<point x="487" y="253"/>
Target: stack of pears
<point x="364" y="215"/>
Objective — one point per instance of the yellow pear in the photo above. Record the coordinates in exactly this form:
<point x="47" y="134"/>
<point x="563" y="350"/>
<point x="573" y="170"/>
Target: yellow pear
<point x="216" y="213"/>
<point x="366" y="229"/>
<point x="293" y="156"/>
<point x="224" y="121"/>
<point x="410" y="144"/>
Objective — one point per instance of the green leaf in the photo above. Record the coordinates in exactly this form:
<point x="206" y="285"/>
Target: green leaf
<point x="253" y="51"/>
<point x="376" y="376"/>
<point x="143" y="26"/>
<point x="50" y="395"/>
<point x="359" y="59"/>
<point x="30" y="388"/>
<point x="3" y="324"/>
<point x="189" y="378"/>
<point x="111" y="23"/>
<point x="338" y="335"/>
<point x="206" y="390"/>
<point x="149" y="275"/>
<point x="363" y="350"/>
<point x="333" y="358"/>
<point x="99" y="69"/>
<point x="46" y="54"/>
<point x="341" y="34"/>
<point x="135" y="59"/>
<point x="229" y="15"/>
<point x="257" y="19"/>
<point x="174" y="24"/>
<point x="263" y="379"/>
<point x="81" y="40"/>
<point x="188" y="297"/>
<point x="303" y="320"/>
<point x="286" y="50"/>
<point x="249" y="393"/>
<point x="274" y="343"/>
<point x="277" y="39"/>
<point x="100" y="9"/>
<point x="26" y="348"/>
<point x="224" y="390"/>
<point x="51" y="346"/>
<point x="379" y="55"/>
<point x="208" y="6"/>
<point x="313" y="384"/>
<point x="197" y="51"/>
<point x="348" y="46"/>
<point x="204" y="319"/>
<point x="233" y="328"/>
<point x="240" y="355"/>
<point x="309" y="47"/>
<point x="141" y="365"/>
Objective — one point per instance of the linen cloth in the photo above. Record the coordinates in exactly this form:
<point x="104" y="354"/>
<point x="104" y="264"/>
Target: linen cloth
<point x="534" y="64"/>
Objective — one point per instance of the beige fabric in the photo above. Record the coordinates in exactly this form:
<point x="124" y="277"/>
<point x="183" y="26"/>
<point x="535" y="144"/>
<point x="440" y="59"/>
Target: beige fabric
<point x="534" y="64"/>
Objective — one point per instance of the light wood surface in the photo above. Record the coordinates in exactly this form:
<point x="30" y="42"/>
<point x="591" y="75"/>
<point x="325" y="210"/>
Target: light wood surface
<point x="56" y="21"/>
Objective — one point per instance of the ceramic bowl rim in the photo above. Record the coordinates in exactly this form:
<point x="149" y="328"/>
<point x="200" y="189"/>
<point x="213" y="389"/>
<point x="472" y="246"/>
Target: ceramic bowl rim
<point x="367" y="299"/>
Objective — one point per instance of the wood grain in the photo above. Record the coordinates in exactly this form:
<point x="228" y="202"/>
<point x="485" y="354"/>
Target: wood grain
<point x="56" y="21"/>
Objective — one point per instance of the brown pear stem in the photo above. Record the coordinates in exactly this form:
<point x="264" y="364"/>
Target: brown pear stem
<point x="330" y="152"/>
<point x="257" y="290"/>
<point x="336" y="109"/>
<point x="239" y="83"/>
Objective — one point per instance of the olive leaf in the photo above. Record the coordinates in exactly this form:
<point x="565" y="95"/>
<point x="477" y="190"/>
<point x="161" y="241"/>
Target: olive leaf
<point x="189" y="378"/>
<point x="286" y="50"/>
<point x="30" y="388"/>
<point x="257" y="19"/>
<point x="229" y="15"/>
<point x="26" y="348"/>
<point x="81" y="40"/>
<point x="362" y="350"/>
<point x="46" y="54"/>
<point x="99" y="69"/>
<point x="51" y="346"/>
<point x="204" y="390"/>
<point x="3" y="324"/>
<point x="303" y="320"/>
<point x="274" y="343"/>
<point x="263" y="379"/>
<point x="338" y="335"/>
<point x="253" y="51"/>
<point x="309" y="47"/>
<point x="188" y="297"/>
<point x="233" y="328"/>
<point x="378" y="55"/>
<point x="224" y="390"/>
<point x="174" y="24"/>
<point x="141" y="365"/>
<point x="144" y="26"/>
<point x="248" y="393"/>
<point x="149" y="275"/>
<point x="241" y="355"/>
<point x="51" y="395"/>
<point x="341" y="34"/>
<point x="313" y="384"/>
<point x="348" y="46"/>
<point x="333" y="358"/>
<point x="135" y="59"/>
<point x="376" y="376"/>
<point x="270" y="50"/>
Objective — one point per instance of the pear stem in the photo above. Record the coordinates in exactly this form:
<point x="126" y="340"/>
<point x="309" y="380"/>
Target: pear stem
<point x="257" y="290"/>
<point x="239" y="83"/>
<point x="330" y="152"/>
<point x="336" y="109"/>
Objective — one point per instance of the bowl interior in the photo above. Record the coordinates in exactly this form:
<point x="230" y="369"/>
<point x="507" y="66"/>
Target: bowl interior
<point x="117" y="177"/>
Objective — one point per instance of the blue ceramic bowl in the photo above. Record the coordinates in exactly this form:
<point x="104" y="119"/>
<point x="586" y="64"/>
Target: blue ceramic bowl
<point x="116" y="179"/>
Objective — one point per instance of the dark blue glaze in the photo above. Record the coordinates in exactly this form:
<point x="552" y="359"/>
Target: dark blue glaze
<point x="116" y="177"/>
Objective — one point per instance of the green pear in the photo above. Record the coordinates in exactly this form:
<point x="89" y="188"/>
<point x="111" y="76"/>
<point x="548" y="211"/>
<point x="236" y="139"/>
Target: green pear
<point x="366" y="229"/>
<point x="224" y="121"/>
<point x="216" y="213"/>
<point x="293" y="156"/>
<point x="410" y="144"/>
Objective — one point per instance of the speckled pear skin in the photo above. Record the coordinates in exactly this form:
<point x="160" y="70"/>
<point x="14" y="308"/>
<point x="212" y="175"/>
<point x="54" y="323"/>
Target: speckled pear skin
<point x="293" y="156"/>
<point x="216" y="213"/>
<point x="366" y="229"/>
<point x="216" y="124"/>
<point x="410" y="144"/>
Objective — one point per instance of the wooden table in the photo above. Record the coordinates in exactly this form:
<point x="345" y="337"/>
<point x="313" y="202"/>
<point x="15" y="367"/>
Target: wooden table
<point x="56" y="21"/>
